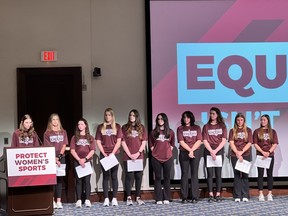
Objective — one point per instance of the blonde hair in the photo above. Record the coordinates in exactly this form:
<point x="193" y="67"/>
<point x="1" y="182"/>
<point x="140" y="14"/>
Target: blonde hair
<point x="113" y="123"/>
<point x="240" y="115"/>
<point x="49" y="124"/>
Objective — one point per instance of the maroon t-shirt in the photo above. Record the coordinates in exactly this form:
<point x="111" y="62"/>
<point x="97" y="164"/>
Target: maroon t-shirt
<point x="26" y="142"/>
<point x="108" y="139"/>
<point x="188" y="134"/>
<point x="55" y="139"/>
<point x="240" y="142"/>
<point x="162" y="146"/>
<point x="214" y="134"/>
<point x="265" y="144"/>
<point x="83" y="146"/>
<point x="133" y="141"/>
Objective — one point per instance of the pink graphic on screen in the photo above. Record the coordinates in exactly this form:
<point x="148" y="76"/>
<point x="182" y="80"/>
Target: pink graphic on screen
<point x="239" y="21"/>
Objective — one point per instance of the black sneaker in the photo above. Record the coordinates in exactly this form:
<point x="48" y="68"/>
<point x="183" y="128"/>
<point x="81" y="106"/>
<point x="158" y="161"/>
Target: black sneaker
<point x="211" y="199"/>
<point x="218" y="199"/>
<point x="184" y="201"/>
<point x="194" y="201"/>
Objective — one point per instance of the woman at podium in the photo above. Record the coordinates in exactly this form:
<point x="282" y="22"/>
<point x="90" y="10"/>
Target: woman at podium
<point x="25" y="135"/>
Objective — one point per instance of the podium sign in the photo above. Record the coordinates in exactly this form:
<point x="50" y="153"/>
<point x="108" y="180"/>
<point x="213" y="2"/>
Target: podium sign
<point x="31" y="166"/>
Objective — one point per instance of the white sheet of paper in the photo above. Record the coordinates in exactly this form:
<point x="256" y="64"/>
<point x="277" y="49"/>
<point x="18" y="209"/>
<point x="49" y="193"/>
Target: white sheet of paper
<point x="135" y="165"/>
<point x="61" y="171"/>
<point x="84" y="171"/>
<point x="214" y="163"/>
<point x="261" y="162"/>
<point x="243" y="166"/>
<point x="109" y="162"/>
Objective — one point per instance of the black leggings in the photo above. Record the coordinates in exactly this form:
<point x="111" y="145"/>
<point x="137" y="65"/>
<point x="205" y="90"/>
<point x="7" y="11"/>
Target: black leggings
<point x="81" y="183"/>
<point x="241" y="179"/>
<point x="114" y="178"/>
<point x="58" y="187"/>
<point x="218" y="172"/>
<point x="128" y="180"/>
<point x="192" y="164"/>
<point x="269" y="176"/>
<point x="158" y="167"/>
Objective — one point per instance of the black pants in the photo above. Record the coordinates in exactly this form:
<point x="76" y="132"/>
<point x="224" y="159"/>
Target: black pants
<point x="269" y="176"/>
<point x="218" y="172"/>
<point x="241" y="179"/>
<point x="114" y="178"/>
<point x="185" y="162"/>
<point x="81" y="183"/>
<point x="58" y="187"/>
<point x="158" y="167"/>
<point x="128" y="180"/>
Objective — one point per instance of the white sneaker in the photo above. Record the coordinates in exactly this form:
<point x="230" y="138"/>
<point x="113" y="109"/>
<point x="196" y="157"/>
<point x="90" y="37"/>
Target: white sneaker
<point x="87" y="203"/>
<point x="245" y="199"/>
<point x="114" y="202"/>
<point x="238" y="200"/>
<point x="59" y="205"/>
<point x="129" y="202"/>
<point x="54" y="205"/>
<point x="166" y="202"/>
<point x="140" y="201"/>
<point x="261" y="198"/>
<point x="106" y="202"/>
<point x="159" y="202"/>
<point x="269" y="197"/>
<point x="78" y="204"/>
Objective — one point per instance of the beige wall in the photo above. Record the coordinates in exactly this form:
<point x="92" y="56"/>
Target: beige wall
<point x="109" y="34"/>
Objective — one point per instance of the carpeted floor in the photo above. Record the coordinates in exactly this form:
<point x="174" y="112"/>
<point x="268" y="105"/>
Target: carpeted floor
<point x="227" y="207"/>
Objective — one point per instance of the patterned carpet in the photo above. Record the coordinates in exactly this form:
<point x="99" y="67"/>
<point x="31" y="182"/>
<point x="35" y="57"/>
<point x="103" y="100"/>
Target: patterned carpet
<point x="226" y="207"/>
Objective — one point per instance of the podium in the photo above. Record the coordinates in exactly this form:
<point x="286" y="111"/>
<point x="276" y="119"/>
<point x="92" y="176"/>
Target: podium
<point x="30" y="193"/>
<point x="33" y="200"/>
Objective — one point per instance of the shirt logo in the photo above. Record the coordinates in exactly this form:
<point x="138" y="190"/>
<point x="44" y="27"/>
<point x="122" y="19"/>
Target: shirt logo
<point x="82" y="142"/>
<point x="134" y="133"/>
<point x="26" y="140"/>
<point x="241" y="135"/>
<point x="266" y="136"/>
<point x="189" y="133"/>
<point x="214" y="132"/>
<point x="109" y="132"/>
<point x="56" y="138"/>
<point x="162" y="138"/>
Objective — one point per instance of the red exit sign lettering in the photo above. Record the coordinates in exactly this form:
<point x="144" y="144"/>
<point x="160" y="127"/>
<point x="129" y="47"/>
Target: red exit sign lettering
<point x="48" y="56"/>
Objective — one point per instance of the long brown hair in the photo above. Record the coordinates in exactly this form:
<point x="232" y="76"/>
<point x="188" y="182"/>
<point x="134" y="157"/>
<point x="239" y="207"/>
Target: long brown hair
<point x="23" y="131"/>
<point x="270" y="130"/>
<point x="157" y="129"/>
<point x="220" y="119"/>
<point x="137" y="126"/>
<point x="87" y="131"/>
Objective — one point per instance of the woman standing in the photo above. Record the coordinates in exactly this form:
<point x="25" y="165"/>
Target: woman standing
<point x="265" y="141"/>
<point x="214" y="138"/>
<point x="56" y="136"/>
<point x="240" y="139"/>
<point x="134" y="141"/>
<point x="82" y="148"/>
<point x="190" y="138"/>
<point x="161" y="143"/>
<point x="108" y="139"/>
<point x="25" y="136"/>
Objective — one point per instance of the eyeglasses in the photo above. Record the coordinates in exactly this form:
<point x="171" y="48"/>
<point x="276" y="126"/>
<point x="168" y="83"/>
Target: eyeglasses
<point x="159" y="119"/>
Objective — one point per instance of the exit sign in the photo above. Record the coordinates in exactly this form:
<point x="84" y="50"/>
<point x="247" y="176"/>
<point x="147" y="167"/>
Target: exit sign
<point x="48" y="56"/>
